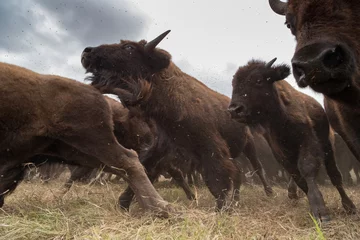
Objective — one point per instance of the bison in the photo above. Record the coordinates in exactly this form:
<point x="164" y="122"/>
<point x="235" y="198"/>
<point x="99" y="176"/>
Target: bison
<point x="296" y="128"/>
<point x="133" y="132"/>
<point x="193" y="116"/>
<point x="327" y="58"/>
<point x="52" y="115"/>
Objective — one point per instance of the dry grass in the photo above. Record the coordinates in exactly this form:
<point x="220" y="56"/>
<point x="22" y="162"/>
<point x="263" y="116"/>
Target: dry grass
<point x="38" y="211"/>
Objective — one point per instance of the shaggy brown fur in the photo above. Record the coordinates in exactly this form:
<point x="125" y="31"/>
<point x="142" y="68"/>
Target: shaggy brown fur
<point x="51" y="115"/>
<point x="320" y="23"/>
<point x="132" y="132"/>
<point x="193" y="116"/>
<point x="155" y="153"/>
<point x="297" y="129"/>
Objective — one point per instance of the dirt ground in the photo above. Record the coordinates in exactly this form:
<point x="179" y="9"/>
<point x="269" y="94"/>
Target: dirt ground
<point x="41" y="211"/>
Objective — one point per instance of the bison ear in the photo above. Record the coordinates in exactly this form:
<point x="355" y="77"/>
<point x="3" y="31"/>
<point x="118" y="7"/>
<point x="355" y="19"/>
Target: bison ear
<point x="281" y="72"/>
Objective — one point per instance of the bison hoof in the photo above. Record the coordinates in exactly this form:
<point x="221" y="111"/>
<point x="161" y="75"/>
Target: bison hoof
<point x="124" y="203"/>
<point x="1" y="201"/>
<point x="349" y="207"/>
<point x="325" y="219"/>
<point x="293" y="196"/>
<point x="191" y="197"/>
<point x="269" y="191"/>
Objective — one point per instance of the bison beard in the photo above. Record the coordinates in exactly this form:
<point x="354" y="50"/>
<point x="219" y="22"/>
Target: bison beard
<point x="193" y="116"/>
<point x="51" y="115"/>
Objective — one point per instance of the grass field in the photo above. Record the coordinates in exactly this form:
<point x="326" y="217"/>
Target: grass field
<point x="42" y="211"/>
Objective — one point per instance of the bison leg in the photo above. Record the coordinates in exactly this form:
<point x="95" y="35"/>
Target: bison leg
<point x="190" y="178"/>
<point x="76" y="174"/>
<point x="218" y="172"/>
<point x="149" y="164"/>
<point x="336" y="179"/>
<point x="292" y="189"/>
<point x="178" y="176"/>
<point x="236" y="186"/>
<point x="10" y="177"/>
<point x="101" y="144"/>
<point x="250" y="153"/>
<point x="356" y="171"/>
<point x="309" y="166"/>
<point x="196" y="177"/>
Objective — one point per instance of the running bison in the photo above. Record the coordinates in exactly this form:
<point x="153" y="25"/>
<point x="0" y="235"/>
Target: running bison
<point x="132" y="132"/>
<point x="296" y="126"/>
<point x="327" y="58"/>
<point x="52" y="115"/>
<point x="193" y="116"/>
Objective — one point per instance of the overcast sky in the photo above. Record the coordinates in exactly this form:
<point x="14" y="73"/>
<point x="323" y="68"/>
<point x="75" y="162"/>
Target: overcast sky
<point x="209" y="38"/>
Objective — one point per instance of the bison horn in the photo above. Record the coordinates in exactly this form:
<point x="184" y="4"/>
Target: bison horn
<point x="269" y="64"/>
<point x="150" y="46"/>
<point x="278" y="6"/>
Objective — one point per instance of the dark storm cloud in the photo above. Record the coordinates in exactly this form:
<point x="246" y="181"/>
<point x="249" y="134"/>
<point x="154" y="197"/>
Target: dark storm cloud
<point x="49" y="36"/>
<point x="94" y="22"/>
<point x="90" y="22"/>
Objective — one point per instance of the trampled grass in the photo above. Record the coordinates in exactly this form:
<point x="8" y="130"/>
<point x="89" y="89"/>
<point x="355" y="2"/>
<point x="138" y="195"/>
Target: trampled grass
<point x="42" y="211"/>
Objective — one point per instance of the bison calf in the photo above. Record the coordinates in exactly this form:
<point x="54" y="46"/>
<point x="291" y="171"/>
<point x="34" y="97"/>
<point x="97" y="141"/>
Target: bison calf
<point x="296" y="128"/>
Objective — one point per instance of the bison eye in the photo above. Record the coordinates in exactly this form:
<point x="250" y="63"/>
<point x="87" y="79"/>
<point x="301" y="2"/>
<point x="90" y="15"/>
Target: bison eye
<point x="291" y="23"/>
<point x="288" y="25"/>
<point x="259" y="82"/>
<point x="129" y="48"/>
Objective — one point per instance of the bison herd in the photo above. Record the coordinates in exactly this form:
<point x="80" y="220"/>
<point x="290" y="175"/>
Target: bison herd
<point x="168" y="122"/>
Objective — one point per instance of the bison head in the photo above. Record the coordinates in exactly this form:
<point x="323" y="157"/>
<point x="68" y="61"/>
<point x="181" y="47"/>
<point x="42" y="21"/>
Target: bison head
<point x="328" y="50"/>
<point x="113" y="62"/>
<point x="254" y="95"/>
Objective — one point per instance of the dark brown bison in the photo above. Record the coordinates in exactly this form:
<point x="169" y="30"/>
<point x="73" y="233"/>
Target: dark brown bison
<point x="52" y="115"/>
<point x="155" y="151"/>
<point x="192" y="116"/>
<point x="327" y="58"/>
<point x="137" y="133"/>
<point x="296" y="126"/>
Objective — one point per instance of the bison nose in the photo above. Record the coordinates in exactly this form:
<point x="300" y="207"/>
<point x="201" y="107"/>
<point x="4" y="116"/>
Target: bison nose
<point x="236" y="110"/>
<point x="317" y="61"/>
<point x="87" y="50"/>
<point x="299" y="73"/>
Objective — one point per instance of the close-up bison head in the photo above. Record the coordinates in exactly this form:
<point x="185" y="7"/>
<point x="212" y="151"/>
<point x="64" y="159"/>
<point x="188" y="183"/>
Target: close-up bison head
<point x="328" y="51"/>
<point x="254" y="95"/>
<point x="125" y="59"/>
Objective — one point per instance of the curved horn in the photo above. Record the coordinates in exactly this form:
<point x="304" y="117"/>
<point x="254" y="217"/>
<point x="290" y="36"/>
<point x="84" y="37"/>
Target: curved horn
<point x="278" y="6"/>
<point x="269" y="64"/>
<point x="152" y="44"/>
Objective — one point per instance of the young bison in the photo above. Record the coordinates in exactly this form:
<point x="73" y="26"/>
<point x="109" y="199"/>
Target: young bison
<point x="296" y="126"/>
<point x="327" y="58"/>
<point x="52" y="115"/>
<point x="193" y="116"/>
